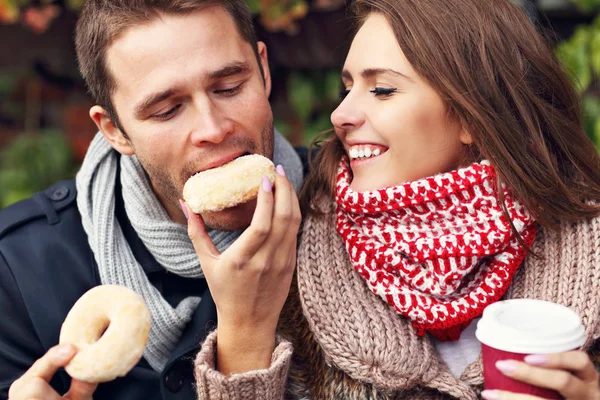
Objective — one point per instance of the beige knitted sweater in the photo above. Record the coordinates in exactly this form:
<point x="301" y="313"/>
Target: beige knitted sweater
<point x="340" y="341"/>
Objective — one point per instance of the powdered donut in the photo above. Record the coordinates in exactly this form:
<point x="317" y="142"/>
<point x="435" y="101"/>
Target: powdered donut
<point x="229" y="185"/>
<point x="109" y="325"/>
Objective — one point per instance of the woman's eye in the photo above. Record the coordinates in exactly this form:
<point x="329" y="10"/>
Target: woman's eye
<point x="379" y="91"/>
<point x="231" y="91"/>
<point x="344" y="93"/>
<point x="168" y="114"/>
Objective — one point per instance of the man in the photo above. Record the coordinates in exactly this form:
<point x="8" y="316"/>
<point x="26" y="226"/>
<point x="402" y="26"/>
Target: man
<point x="181" y="86"/>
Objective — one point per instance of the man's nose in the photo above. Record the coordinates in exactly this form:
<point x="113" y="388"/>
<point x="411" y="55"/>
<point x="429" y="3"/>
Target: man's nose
<point x="348" y="115"/>
<point x="212" y="126"/>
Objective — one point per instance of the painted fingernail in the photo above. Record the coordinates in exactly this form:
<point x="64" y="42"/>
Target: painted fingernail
<point x="490" y="395"/>
<point x="266" y="184"/>
<point x="280" y="170"/>
<point x="506" y="366"/>
<point x="184" y="209"/>
<point x="536" y="359"/>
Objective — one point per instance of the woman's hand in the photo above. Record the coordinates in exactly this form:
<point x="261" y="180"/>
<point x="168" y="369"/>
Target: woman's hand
<point x="250" y="281"/>
<point x="572" y="374"/>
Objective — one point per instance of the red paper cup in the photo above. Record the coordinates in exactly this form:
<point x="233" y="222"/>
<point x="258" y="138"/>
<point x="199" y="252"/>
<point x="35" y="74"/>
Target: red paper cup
<point x="513" y="329"/>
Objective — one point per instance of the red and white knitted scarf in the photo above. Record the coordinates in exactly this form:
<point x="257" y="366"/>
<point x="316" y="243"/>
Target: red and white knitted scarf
<point x="438" y="250"/>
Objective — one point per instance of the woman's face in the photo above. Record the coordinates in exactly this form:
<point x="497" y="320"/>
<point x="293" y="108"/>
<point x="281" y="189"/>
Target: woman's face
<point x="393" y="125"/>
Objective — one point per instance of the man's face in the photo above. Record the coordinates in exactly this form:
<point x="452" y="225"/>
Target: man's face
<point x="190" y="96"/>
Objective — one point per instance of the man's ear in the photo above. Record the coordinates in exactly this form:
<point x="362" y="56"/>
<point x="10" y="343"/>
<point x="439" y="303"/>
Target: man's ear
<point x="111" y="132"/>
<point x="264" y="61"/>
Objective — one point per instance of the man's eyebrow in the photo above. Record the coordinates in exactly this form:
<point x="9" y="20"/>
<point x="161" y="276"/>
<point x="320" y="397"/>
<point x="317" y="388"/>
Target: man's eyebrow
<point x="230" y="70"/>
<point x="371" y="72"/>
<point x="155" y="98"/>
<point x="151" y="101"/>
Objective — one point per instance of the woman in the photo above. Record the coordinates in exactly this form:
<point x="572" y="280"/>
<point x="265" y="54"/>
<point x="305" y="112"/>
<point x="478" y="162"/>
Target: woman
<point x="459" y="174"/>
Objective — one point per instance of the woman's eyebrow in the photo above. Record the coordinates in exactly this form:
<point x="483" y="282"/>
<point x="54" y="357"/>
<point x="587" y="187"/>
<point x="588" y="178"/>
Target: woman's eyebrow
<point x="372" y="72"/>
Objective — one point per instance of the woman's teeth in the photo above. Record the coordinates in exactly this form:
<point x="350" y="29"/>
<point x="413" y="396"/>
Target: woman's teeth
<point x="359" y="152"/>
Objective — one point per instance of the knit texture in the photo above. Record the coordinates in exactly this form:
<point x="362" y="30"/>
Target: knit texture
<point x="438" y="250"/>
<point x="166" y="240"/>
<point x="262" y="384"/>
<point x="350" y="344"/>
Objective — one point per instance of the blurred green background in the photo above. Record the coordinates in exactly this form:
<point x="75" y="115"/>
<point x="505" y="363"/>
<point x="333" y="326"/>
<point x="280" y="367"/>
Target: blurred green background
<point x="44" y="124"/>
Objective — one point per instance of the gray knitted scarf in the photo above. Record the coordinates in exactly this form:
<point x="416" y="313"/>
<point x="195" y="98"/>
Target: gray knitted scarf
<point x="166" y="240"/>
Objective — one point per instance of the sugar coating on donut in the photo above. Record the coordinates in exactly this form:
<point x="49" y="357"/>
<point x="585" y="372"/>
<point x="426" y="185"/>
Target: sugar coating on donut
<point x="229" y="185"/>
<point x="109" y="325"/>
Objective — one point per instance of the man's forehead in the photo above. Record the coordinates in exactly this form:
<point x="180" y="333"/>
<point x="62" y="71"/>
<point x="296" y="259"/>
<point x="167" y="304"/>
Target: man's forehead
<point x="176" y="47"/>
<point x="210" y="28"/>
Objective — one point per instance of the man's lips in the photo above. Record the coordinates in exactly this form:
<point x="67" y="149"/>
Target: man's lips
<point x="221" y="161"/>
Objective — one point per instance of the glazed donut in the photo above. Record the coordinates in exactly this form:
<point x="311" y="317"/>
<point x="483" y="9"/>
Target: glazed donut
<point x="109" y="325"/>
<point x="229" y="185"/>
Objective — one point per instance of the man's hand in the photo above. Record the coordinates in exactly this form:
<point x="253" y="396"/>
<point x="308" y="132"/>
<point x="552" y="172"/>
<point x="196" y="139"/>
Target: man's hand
<point x="34" y="384"/>
<point x="251" y="279"/>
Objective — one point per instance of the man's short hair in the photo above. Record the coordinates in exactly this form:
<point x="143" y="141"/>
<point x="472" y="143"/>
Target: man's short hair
<point x="101" y="21"/>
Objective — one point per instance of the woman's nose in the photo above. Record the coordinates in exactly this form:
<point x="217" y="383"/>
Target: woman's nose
<point x="348" y="115"/>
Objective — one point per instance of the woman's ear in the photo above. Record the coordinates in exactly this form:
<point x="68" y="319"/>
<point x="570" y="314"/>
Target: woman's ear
<point x="111" y="132"/>
<point x="465" y="136"/>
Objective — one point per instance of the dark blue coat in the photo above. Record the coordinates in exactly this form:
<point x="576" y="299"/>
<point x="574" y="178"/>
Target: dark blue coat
<point x="46" y="264"/>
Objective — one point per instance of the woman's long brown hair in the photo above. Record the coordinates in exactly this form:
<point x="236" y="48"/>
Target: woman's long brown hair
<point x="501" y="80"/>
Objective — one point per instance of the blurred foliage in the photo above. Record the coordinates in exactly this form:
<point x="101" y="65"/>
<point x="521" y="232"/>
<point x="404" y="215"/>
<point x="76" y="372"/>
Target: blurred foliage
<point x="587" y="5"/>
<point x="274" y="15"/>
<point x="32" y="162"/>
<point x="10" y="110"/>
<point x="580" y="54"/>
<point x="312" y="97"/>
<point x="37" y="15"/>
<point x="279" y="15"/>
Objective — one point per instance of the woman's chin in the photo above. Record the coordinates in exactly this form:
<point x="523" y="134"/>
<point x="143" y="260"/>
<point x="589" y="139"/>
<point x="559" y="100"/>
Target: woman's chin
<point x="374" y="181"/>
<point x="364" y="185"/>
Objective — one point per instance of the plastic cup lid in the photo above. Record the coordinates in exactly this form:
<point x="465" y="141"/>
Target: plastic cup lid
<point x="530" y="326"/>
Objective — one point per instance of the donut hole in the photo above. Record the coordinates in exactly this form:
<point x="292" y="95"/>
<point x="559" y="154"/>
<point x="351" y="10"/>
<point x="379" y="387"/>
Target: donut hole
<point x="103" y="327"/>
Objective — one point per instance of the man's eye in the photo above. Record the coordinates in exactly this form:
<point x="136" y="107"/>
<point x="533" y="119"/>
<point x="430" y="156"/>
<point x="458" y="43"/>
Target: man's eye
<point x="168" y="114"/>
<point x="379" y="91"/>
<point x="231" y="91"/>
